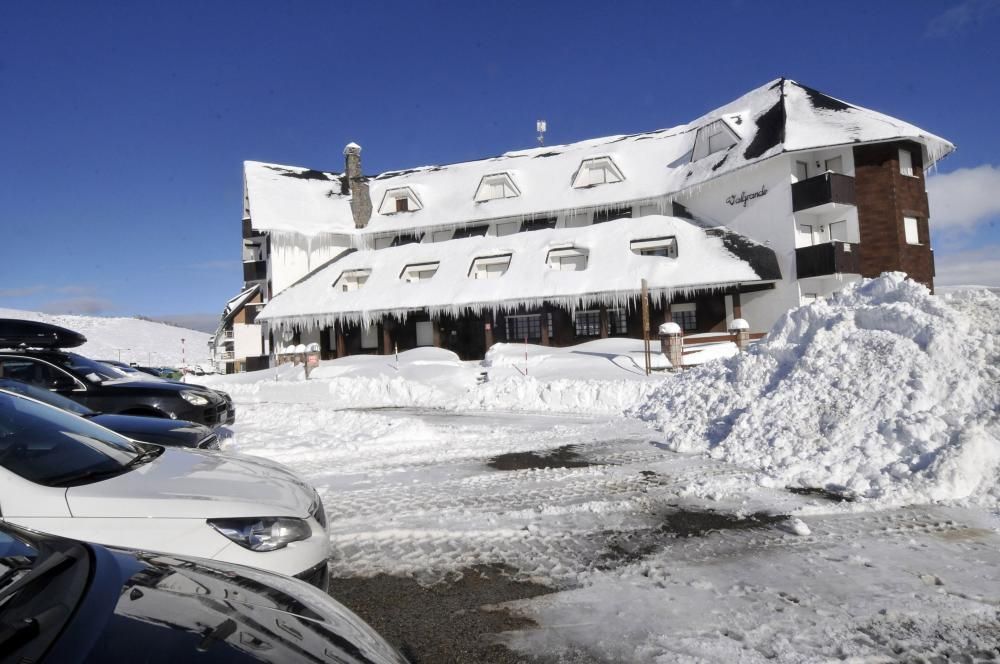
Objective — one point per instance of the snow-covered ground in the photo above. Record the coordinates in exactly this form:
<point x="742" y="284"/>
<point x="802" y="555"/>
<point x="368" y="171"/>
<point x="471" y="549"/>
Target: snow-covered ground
<point x="829" y="495"/>
<point x="128" y="339"/>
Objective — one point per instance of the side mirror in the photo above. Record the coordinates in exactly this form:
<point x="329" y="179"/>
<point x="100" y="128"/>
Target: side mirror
<point x="62" y="384"/>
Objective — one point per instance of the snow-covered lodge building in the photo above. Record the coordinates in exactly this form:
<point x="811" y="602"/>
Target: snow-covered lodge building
<point x="783" y="195"/>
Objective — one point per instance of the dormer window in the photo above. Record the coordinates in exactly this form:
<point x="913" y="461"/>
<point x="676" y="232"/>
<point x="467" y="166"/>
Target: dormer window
<point x="490" y="267"/>
<point x="567" y="259"/>
<point x="419" y="272"/>
<point x="498" y="185"/>
<point x="597" y="171"/>
<point x="351" y="280"/>
<point x="712" y="138"/>
<point x="402" y="199"/>
<point x="655" y="246"/>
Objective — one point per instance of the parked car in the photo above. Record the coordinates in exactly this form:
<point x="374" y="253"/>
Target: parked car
<point x="128" y="370"/>
<point x="66" y="475"/>
<point x="160" y="372"/>
<point x="162" y="431"/>
<point x="67" y="601"/>
<point x="36" y="356"/>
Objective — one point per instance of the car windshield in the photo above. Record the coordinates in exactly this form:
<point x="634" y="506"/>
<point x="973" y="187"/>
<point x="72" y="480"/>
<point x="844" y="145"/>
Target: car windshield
<point x="43" y="395"/>
<point x="55" y="448"/>
<point x="93" y="371"/>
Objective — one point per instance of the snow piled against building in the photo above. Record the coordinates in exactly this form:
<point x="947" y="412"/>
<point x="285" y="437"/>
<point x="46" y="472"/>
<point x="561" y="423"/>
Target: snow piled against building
<point x="883" y="392"/>
<point x="130" y="339"/>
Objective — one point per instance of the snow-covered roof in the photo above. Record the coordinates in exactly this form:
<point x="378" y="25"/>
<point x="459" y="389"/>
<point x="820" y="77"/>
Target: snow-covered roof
<point x="613" y="273"/>
<point x="234" y="305"/>
<point x="777" y="117"/>
<point x="289" y="199"/>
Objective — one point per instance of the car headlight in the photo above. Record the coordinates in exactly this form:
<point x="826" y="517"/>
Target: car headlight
<point x="263" y="534"/>
<point x="194" y="398"/>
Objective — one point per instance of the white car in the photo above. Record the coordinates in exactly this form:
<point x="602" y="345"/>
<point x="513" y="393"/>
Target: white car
<point x="64" y="475"/>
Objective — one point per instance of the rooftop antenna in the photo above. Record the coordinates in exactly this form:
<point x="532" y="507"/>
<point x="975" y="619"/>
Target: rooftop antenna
<point x="540" y="127"/>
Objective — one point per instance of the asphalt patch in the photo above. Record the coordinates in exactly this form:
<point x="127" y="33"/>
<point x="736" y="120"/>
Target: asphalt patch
<point x="623" y="548"/>
<point x="560" y="457"/>
<point x="824" y="494"/>
<point x="451" y="622"/>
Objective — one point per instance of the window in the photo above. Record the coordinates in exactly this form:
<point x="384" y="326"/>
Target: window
<point x="567" y="259"/>
<point x="657" y="246"/>
<point x="588" y="323"/>
<point x="801" y="170"/>
<point x="401" y="199"/>
<point x="527" y="327"/>
<point x="711" y="138"/>
<point x="623" y="212"/>
<point x="906" y="162"/>
<point x="441" y="236"/>
<point x="597" y="171"/>
<point x="539" y="224"/>
<point x="838" y="231"/>
<point x="470" y="231"/>
<point x="419" y="272"/>
<point x="351" y="280"/>
<point x="508" y="228"/>
<point x="425" y="333"/>
<point x="910" y="229"/>
<point x="498" y="185"/>
<point x="369" y="337"/>
<point x="490" y="267"/>
<point x="836" y="164"/>
<point x="685" y="315"/>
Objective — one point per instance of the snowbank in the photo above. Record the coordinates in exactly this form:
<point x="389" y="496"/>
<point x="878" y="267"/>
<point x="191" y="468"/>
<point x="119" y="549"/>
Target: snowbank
<point x="884" y="391"/>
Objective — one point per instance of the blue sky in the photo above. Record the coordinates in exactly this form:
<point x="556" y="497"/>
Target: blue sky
<point x="125" y="124"/>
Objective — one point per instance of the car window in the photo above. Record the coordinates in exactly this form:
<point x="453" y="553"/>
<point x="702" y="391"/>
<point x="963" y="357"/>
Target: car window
<point x="43" y="395"/>
<point x="52" y="447"/>
<point x="35" y="372"/>
<point x="95" y="372"/>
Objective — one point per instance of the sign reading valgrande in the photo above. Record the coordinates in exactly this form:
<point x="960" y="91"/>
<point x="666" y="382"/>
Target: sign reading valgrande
<point x="743" y="198"/>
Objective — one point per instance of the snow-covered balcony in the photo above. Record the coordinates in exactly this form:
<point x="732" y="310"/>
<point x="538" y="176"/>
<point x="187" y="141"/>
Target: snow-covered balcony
<point x="822" y="193"/>
<point x="828" y="258"/>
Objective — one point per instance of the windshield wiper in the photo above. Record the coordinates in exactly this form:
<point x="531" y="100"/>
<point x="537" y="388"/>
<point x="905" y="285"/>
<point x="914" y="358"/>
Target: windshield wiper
<point x="55" y="563"/>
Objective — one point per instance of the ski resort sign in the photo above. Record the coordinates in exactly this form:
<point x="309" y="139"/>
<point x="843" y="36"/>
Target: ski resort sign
<point x="743" y="197"/>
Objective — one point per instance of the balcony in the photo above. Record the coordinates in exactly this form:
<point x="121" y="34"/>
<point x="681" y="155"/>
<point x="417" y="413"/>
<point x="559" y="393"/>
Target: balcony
<point x="821" y="260"/>
<point x="254" y="271"/>
<point x="823" y="192"/>
<point x="228" y="356"/>
<point x="227" y="335"/>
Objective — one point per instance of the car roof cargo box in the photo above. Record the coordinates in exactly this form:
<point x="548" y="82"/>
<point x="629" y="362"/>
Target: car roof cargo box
<point x="16" y="333"/>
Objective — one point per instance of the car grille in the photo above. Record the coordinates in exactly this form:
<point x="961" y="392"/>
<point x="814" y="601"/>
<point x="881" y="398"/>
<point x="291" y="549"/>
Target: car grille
<point x="318" y="576"/>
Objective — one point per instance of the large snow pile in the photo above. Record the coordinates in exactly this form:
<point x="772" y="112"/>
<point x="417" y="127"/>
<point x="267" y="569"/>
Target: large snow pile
<point x="885" y="392"/>
<point x="128" y="339"/>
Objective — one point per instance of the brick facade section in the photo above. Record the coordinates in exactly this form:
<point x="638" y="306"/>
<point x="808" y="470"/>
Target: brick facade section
<point x="884" y="197"/>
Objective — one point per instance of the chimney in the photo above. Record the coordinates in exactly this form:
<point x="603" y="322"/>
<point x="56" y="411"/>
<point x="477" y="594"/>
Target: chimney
<point x="355" y="184"/>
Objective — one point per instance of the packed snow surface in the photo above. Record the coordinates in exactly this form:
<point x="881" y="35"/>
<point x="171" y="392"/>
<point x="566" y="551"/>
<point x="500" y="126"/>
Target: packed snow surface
<point x="127" y="339"/>
<point x="883" y="392"/>
<point x="697" y="531"/>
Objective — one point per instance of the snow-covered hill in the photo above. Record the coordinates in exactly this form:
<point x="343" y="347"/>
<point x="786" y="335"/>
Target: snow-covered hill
<point x="130" y="339"/>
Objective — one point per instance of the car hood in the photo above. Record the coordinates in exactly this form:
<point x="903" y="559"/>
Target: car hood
<point x="160" y="430"/>
<point x="195" y="484"/>
<point x="129" y="386"/>
<point x="184" y="608"/>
